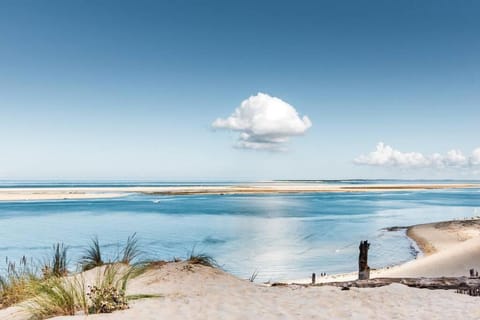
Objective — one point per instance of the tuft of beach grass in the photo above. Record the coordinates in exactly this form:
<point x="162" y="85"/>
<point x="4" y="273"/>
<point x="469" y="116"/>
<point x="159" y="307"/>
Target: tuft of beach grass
<point x="92" y="257"/>
<point x="57" y="296"/>
<point x="131" y="251"/>
<point x="16" y="284"/>
<point x="202" y="259"/>
<point x="56" y="264"/>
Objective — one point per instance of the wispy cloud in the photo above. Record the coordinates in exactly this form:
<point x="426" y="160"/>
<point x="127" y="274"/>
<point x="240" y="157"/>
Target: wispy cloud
<point x="264" y="123"/>
<point x="386" y="156"/>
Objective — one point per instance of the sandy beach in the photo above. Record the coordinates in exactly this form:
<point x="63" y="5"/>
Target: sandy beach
<point x="65" y="193"/>
<point x="449" y="249"/>
<point x="69" y="194"/>
<point x="198" y="292"/>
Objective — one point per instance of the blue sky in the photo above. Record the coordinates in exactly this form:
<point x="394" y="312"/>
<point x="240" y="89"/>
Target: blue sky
<point x="130" y="89"/>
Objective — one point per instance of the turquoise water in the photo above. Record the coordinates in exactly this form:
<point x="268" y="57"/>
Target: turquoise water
<point x="284" y="236"/>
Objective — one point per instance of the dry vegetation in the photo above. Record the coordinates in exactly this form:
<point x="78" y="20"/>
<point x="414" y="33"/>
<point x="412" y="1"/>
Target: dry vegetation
<point x="50" y="290"/>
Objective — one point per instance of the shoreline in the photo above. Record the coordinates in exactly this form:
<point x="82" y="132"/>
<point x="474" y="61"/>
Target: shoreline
<point x="447" y="248"/>
<point x="426" y="248"/>
<point x="450" y="248"/>
<point x="77" y="193"/>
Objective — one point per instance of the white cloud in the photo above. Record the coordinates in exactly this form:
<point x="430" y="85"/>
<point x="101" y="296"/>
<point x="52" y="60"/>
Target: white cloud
<point x="264" y="123"/>
<point x="386" y="156"/>
<point x="455" y="158"/>
<point x="475" y="158"/>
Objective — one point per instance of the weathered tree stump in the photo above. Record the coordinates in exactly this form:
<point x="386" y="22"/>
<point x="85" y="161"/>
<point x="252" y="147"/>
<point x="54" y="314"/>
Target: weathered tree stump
<point x="363" y="268"/>
<point x="473" y="273"/>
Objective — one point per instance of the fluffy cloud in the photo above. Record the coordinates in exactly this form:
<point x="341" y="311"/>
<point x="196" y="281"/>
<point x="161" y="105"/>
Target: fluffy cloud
<point x="475" y="158"/>
<point x="264" y="123"/>
<point x="386" y="156"/>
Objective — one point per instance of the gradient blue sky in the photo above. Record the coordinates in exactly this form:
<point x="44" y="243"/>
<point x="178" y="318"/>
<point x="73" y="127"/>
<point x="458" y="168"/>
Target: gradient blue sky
<point x="129" y="89"/>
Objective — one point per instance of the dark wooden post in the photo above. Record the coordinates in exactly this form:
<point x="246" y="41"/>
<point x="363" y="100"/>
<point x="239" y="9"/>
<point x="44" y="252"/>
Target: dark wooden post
<point x="363" y="268"/>
<point x="313" y="278"/>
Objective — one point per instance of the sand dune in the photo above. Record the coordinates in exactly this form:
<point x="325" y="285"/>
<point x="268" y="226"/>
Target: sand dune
<point x="198" y="292"/>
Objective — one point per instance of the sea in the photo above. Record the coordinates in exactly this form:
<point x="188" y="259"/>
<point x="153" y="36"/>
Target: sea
<point x="278" y="236"/>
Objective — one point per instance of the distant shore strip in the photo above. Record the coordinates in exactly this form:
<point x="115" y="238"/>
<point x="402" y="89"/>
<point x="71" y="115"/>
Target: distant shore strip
<point x="72" y="193"/>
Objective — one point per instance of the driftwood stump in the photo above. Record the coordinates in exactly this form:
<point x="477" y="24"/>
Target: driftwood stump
<point x="363" y="268"/>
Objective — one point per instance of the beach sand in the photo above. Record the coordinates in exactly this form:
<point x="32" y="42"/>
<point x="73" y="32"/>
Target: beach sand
<point x="40" y="195"/>
<point x="449" y="248"/>
<point x="198" y="292"/>
<point x="45" y="193"/>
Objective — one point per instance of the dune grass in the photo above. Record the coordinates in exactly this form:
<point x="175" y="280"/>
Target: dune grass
<point x="56" y="264"/>
<point x="15" y="285"/>
<point x="202" y="259"/>
<point x="57" y="296"/>
<point x="93" y="254"/>
<point x="50" y="290"/>
<point x="22" y="280"/>
<point x="114" y="275"/>
<point x="131" y="251"/>
<point x="253" y="276"/>
<point x="92" y="257"/>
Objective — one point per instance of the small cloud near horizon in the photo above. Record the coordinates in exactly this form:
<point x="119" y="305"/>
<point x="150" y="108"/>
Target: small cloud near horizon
<point x="386" y="156"/>
<point x="264" y="123"/>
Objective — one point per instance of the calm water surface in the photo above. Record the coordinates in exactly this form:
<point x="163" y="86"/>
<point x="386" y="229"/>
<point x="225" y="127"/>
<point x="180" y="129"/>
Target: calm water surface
<point x="281" y="236"/>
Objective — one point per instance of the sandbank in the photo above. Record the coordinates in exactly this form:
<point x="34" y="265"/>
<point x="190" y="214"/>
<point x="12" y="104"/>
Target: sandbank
<point x="49" y="193"/>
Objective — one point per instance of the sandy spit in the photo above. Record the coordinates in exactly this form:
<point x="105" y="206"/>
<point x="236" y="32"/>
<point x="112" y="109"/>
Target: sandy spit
<point x="449" y="248"/>
<point x="20" y="194"/>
